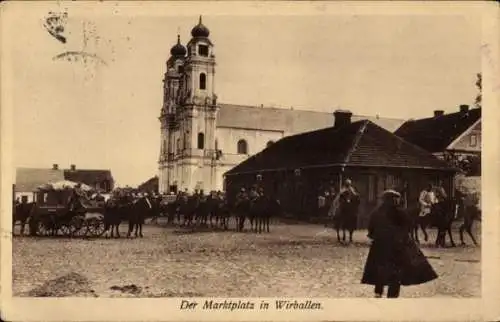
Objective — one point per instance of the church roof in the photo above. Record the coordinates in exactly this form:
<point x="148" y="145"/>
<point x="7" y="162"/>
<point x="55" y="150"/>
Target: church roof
<point x="436" y="133"/>
<point x="289" y="121"/>
<point x="358" y="144"/>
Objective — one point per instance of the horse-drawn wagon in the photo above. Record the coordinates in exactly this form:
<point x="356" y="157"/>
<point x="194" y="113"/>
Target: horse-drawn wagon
<point x="60" y="208"/>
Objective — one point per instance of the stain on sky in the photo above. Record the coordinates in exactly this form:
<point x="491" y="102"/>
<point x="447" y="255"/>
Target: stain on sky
<point x="54" y="23"/>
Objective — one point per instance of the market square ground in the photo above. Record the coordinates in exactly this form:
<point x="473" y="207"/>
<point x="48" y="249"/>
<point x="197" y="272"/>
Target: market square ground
<point x="291" y="261"/>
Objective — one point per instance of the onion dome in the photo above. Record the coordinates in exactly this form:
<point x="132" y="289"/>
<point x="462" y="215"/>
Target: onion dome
<point x="200" y="30"/>
<point x="178" y="50"/>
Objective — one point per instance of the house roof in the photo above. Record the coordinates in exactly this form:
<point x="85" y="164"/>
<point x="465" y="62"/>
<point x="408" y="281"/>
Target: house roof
<point x="287" y="120"/>
<point x="89" y="177"/>
<point x="28" y="179"/>
<point x="361" y="143"/>
<point x="435" y="134"/>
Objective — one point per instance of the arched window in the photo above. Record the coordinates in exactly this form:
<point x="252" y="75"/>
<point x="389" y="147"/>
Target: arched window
<point x="201" y="141"/>
<point x="242" y="147"/>
<point x="164" y="148"/>
<point x="203" y="81"/>
<point x="216" y="145"/>
<point x="269" y="143"/>
<point x="178" y="144"/>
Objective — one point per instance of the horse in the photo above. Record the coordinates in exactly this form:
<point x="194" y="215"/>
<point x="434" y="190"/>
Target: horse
<point x="442" y="216"/>
<point x="157" y="210"/>
<point x="417" y="222"/>
<point x="21" y="212"/>
<point x="470" y="213"/>
<point x="242" y="210"/>
<point x="114" y="214"/>
<point x="347" y="216"/>
<point x="137" y="211"/>
<point x="265" y="208"/>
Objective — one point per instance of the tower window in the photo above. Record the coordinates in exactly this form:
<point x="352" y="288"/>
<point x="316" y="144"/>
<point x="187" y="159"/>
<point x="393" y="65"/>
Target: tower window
<point x="203" y="81"/>
<point x="242" y="147"/>
<point x="203" y="50"/>
<point x="180" y="69"/>
<point x="269" y="143"/>
<point x="178" y="145"/>
<point x="201" y="141"/>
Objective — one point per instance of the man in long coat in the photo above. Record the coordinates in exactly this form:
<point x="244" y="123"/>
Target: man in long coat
<point x="394" y="259"/>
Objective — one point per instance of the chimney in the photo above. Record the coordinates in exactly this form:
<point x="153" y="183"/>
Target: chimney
<point x="438" y="113"/>
<point x="464" y="108"/>
<point x="55" y="166"/>
<point x="342" y="117"/>
<point x="73" y="167"/>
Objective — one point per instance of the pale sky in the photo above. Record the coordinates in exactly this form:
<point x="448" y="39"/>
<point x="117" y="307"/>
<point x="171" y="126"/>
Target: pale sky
<point x="106" y="116"/>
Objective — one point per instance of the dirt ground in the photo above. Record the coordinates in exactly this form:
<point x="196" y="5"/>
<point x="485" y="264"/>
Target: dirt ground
<point x="292" y="260"/>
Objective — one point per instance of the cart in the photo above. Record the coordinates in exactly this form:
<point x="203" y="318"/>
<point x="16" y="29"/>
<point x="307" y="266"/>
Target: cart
<point x="54" y="213"/>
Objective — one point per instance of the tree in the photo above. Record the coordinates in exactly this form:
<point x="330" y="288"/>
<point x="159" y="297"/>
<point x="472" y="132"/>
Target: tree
<point x="479" y="86"/>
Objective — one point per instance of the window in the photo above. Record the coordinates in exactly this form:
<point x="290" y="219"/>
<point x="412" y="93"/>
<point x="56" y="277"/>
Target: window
<point x="242" y="147"/>
<point x="203" y="81"/>
<point x="201" y="141"/>
<point x="216" y="145"/>
<point x="180" y="69"/>
<point x="269" y="144"/>
<point x="473" y="140"/>
<point x="203" y="50"/>
<point x="164" y="148"/>
<point x="178" y="145"/>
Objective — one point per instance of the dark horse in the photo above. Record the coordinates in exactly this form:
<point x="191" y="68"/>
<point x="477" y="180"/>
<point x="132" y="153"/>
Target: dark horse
<point x="470" y="213"/>
<point x="21" y="212"/>
<point x="442" y="216"/>
<point x="115" y="212"/>
<point x="417" y="222"/>
<point x="264" y="208"/>
<point x="137" y="211"/>
<point x="346" y="216"/>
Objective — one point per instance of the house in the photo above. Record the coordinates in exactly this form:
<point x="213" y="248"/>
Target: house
<point x="98" y="179"/>
<point x="28" y="179"/>
<point x="454" y="137"/>
<point x="150" y="185"/>
<point x="293" y="168"/>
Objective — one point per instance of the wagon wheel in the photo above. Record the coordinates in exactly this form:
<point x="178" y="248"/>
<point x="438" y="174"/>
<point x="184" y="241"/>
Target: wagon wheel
<point x="43" y="229"/>
<point x="77" y="226"/>
<point x="95" y="227"/>
<point x="66" y="229"/>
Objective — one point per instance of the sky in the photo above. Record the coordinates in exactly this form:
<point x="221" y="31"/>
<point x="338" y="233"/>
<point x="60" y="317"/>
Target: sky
<point x="103" y="113"/>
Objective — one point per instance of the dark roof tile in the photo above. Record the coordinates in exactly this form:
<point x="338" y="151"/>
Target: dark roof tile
<point x="360" y="143"/>
<point x="435" y="134"/>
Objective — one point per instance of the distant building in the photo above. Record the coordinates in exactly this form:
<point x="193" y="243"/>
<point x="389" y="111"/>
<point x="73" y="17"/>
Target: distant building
<point x="149" y="186"/>
<point x="295" y="167"/>
<point x="202" y="138"/>
<point x="454" y="137"/>
<point x="98" y="179"/>
<point x="28" y="179"/>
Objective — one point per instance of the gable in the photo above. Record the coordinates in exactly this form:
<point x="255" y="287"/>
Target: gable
<point x="470" y="140"/>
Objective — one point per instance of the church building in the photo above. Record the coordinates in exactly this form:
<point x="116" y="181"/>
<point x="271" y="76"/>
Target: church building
<point x="201" y="139"/>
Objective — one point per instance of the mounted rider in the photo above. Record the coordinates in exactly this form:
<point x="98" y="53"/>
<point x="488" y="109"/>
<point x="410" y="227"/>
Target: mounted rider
<point x="426" y="200"/>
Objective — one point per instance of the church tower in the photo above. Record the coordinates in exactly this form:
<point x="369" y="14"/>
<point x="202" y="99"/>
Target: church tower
<point x="188" y="116"/>
<point x="172" y="88"/>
